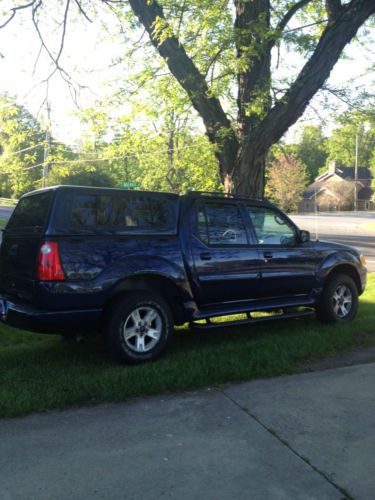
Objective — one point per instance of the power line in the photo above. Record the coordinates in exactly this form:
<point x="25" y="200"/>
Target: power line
<point x="22" y="169"/>
<point x="11" y="153"/>
<point x="135" y="155"/>
<point x="92" y="160"/>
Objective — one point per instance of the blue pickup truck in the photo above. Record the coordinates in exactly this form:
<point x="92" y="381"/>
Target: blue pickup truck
<point x="132" y="264"/>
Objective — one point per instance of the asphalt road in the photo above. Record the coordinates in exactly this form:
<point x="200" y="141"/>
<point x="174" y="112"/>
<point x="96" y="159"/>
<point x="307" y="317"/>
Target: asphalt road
<point x="5" y="212"/>
<point x="343" y="228"/>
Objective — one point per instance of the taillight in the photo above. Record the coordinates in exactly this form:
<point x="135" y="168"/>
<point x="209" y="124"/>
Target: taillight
<point x="49" y="264"/>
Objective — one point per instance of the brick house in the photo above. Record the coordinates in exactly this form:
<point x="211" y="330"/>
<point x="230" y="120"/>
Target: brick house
<point x="335" y="190"/>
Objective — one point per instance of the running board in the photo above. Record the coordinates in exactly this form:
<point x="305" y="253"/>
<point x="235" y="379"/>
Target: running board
<point x="209" y="324"/>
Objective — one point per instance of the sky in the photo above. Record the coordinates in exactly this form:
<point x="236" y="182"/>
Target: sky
<point x="87" y="56"/>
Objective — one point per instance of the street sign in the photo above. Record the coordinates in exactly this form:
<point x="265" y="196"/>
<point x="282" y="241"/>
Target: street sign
<point x="130" y="185"/>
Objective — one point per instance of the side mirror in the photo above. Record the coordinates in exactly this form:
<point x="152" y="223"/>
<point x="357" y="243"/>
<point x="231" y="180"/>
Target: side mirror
<point x="304" y="236"/>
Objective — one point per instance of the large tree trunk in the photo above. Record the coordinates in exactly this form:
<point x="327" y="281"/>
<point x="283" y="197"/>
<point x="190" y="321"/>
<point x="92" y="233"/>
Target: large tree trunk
<point x="248" y="177"/>
<point x="245" y="176"/>
<point x="241" y="153"/>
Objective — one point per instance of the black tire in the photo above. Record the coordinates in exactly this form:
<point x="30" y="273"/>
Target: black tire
<point x="138" y="328"/>
<point x="339" y="300"/>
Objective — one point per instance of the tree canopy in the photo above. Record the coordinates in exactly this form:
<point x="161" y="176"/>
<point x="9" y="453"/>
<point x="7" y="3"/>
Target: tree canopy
<point x="170" y="159"/>
<point x="353" y="127"/>
<point x="164" y="155"/>
<point x="227" y="59"/>
<point x="21" y="148"/>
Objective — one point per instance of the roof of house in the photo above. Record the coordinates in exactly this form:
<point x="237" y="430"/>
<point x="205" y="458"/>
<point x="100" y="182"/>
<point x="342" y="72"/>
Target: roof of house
<point x="346" y="174"/>
<point x="365" y="193"/>
<point x="315" y="189"/>
<point x="349" y="172"/>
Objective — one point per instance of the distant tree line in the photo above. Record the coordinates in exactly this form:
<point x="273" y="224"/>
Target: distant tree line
<point x="166" y="153"/>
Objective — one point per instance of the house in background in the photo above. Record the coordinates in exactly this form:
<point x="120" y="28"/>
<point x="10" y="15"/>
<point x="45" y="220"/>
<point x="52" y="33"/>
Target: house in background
<point x="335" y="190"/>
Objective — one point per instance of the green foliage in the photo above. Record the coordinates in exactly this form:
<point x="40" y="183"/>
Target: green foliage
<point x="341" y="144"/>
<point x="172" y="159"/>
<point x="21" y="147"/>
<point x="169" y="158"/>
<point x="286" y="180"/>
<point x="311" y="149"/>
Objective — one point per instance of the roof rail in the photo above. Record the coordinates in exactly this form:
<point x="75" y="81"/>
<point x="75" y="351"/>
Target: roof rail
<point x="220" y="194"/>
<point x="209" y="193"/>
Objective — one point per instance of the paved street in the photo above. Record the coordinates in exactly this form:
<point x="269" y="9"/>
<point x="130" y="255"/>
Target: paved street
<point x="5" y="212"/>
<point x="343" y="228"/>
<point x="308" y="436"/>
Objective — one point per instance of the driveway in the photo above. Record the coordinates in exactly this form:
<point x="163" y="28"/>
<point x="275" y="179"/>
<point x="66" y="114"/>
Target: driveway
<point x="307" y="436"/>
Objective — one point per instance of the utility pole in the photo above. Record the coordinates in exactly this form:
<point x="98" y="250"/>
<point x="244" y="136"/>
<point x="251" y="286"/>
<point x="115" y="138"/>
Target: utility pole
<point x="47" y="147"/>
<point x="356" y="173"/>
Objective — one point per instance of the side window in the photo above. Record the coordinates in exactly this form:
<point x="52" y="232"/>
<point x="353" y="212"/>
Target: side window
<point x="221" y="224"/>
<point x="118" y="212"/>
<point x="271" y="228"/>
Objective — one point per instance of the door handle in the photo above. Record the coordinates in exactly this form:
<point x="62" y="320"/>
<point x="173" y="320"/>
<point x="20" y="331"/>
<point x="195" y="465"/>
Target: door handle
<point x="205" y="256"/>
<point x="268" y="255"/>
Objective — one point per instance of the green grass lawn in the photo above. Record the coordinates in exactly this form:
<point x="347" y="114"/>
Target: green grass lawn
<point x="41" y="372"/>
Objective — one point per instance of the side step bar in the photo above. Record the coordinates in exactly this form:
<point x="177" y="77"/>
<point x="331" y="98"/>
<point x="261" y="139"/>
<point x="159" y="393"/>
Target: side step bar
<point x="209" y="324"/>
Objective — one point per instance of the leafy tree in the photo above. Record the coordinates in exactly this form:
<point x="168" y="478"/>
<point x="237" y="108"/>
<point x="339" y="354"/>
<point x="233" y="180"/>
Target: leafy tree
<point x="21" y="149"/>
<point x="311" y="149"/>
<point x="341" y="144"/>
<point x="22" y="154"/>
<point x="210" y="47"/>
<point x="286" y="179"/>
<point x="168" y="158"/>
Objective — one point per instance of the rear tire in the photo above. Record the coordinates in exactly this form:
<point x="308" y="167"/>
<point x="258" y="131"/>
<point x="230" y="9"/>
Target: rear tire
<point x="139" y="328"/>
<point x="339" y="300"/>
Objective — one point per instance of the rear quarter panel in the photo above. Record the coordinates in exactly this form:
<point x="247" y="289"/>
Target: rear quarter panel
<point x="95" y="268"/>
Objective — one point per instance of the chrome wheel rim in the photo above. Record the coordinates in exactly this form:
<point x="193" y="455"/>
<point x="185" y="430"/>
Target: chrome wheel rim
<point x="142" y="329"/>
<point x="342" y="301"/>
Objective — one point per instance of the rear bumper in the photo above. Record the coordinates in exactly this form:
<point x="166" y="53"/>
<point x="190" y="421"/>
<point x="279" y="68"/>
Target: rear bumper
<point x="27" y="317"/>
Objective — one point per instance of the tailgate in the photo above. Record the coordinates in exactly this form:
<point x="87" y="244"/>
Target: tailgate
<point x="18" y="258"/>
<point x="20" y="245"/>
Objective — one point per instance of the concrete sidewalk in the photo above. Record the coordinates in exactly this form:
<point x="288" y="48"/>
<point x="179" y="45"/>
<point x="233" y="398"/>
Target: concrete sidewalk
<point x="308" y="436"/>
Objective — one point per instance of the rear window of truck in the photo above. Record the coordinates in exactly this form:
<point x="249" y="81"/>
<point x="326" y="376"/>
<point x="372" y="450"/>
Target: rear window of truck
<point x="119" y="213"/>
<point x="31" y="212"/>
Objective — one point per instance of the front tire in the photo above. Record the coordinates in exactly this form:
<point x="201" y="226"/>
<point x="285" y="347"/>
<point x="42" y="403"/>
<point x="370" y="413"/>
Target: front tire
<point x="339" y="300"/>
<point x="139" y="328"/>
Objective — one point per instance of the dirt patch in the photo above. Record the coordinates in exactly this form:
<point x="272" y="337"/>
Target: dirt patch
<point x="359" y="356"/>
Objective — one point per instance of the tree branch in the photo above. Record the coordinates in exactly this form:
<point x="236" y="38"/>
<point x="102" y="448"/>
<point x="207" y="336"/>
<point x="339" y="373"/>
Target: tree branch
<point x="63" y="32"/>
<point x="14" y="11"/>
<point x="254" y="61"/>
<point x="311" y="78"/>
<point x="290" y="13"/>
<point x="217" y="124"/>
<point x="333" y="8"/>
<point x="82" y="11"/>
